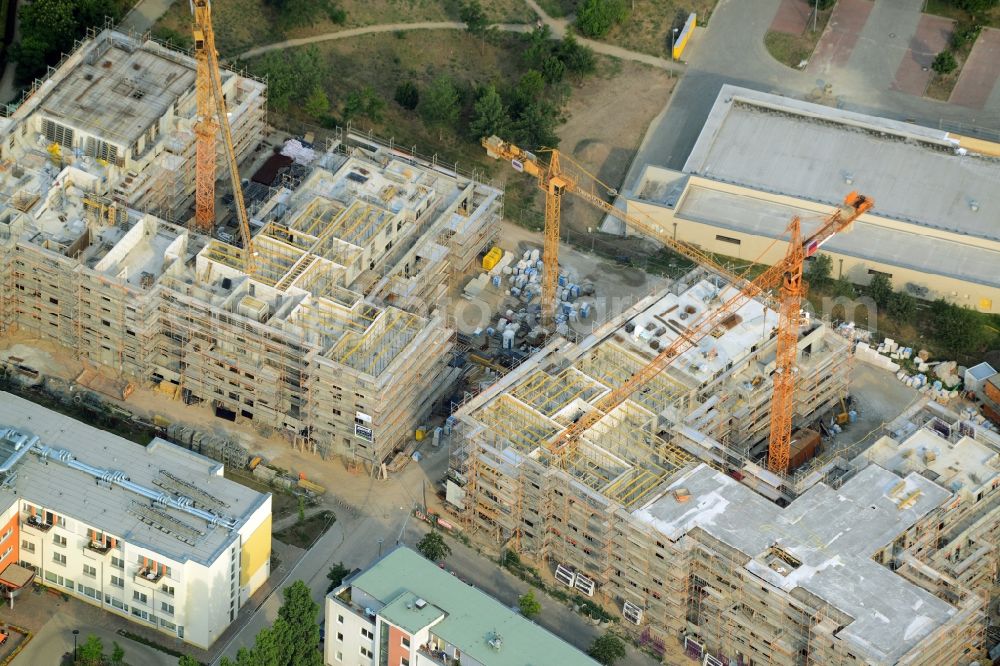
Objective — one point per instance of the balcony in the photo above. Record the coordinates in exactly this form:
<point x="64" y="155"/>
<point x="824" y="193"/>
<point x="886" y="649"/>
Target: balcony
<point x="148" y="575"/>
<point x="436" y="656"/>
<point x="38" y="524"/>
<point x="98" y="547"/>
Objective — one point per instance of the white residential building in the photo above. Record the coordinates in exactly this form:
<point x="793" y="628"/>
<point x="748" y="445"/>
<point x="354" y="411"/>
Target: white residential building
<point x="154" y="533"/>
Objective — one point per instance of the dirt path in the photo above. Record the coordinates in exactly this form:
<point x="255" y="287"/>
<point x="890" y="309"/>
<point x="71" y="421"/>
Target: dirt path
<point x="558" y="29"/>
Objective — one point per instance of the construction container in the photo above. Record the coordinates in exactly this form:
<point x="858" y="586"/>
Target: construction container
<point x="419" y="435"/>
<point x="492" y="258"/>
<point x="804" y="447"/>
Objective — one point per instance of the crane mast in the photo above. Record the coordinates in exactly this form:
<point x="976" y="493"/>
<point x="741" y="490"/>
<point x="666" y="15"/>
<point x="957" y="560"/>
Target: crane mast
<point x="212" y="116"/>
<point x="787" y="274"/>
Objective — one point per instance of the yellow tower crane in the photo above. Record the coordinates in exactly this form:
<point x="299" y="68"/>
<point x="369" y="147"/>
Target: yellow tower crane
<point x="212" y="116"/>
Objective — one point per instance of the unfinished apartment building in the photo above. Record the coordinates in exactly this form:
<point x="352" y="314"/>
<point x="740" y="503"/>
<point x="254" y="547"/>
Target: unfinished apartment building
<point x="640" y="513"/>
<point x="124" y="109"/>
<point x="335" y="335"/>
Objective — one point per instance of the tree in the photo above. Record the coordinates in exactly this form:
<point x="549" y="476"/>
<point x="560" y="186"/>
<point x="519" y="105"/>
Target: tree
<point x="293" y="639"/>
<point x="117" y="654"/>
<point x="91" y="653"/>
<point x="439" y="106"/>
<point x="944" y="63"/>
<point x="595" y="17"/>
<point x="539" y="47"/>
<point x="295" y="632"/>
<point x="976" y="6"/>
<point x="364" y="102"/>
<point x="187" y="660"/>
<point x="819" y="270"/>
<point x="433" y="546"/>
<point x="607" y="649"/>
<point x="336" y="575"/>
<point x="553" y="69"/>
<point x="491" y="115"/>
<point x="535" y="126"/>
<point x="578" y="58"/>
<point x="902" y="307"/>
<point x="956" y="328"/>
<point x="475" y="20"/>
<point x="317" y="105"/>
<point x="880" y="289"/>
<point x="407" y="95"/>
<point x="529" y="605"/>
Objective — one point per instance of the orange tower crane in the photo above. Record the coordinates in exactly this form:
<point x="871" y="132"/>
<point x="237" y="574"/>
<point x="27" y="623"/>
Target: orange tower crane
<point x="788" y="273"/>
<point x="554" y="183"/>
<point x="212" y="116"/>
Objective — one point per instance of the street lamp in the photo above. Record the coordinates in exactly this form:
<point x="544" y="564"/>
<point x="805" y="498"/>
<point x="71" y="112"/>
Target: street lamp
<point x="76" y="632"/>
<point x="380" y="548"/>
<point x="673" y="41"/>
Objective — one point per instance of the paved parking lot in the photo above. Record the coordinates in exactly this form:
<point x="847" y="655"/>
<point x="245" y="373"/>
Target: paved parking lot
<point x="932" y="36"/>
<point x="841" y="35"/>
<point x="980" y="73"/>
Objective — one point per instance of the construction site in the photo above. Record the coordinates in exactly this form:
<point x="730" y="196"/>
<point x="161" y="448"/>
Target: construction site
<point x="675" y="458"/>
<point x="678" y="463"/>
<point x="328" y="325"/>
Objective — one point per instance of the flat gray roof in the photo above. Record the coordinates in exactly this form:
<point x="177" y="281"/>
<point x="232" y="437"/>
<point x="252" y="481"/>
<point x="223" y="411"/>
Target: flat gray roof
<point x="54" y="485"/>
<point x="120" y="88"/>
<point x="866" y="240"/>
<point x="781" y="145"/>
<point x="833" y="535"/>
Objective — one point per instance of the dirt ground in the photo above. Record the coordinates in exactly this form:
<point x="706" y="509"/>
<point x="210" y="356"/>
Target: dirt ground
<point x="602" y="133"/>
<point x="879" y="398"/>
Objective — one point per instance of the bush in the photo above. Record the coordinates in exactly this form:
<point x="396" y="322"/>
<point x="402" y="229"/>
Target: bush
<point x="944" y="63"/>
<point x="965" y="33"/>
<point x="825" y="4"/>
<point x="596" y="17"/>
<point x="975" y="6"/>
<point x="407" y="95"/>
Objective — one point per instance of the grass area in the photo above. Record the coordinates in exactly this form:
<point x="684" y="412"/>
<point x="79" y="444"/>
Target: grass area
<point x="792" y="50"/>
<point x="243" y="24"/>
<point x="648" y="26"/>
<point x="305" y="533"/>
<point x="383" y="61"/>
<point x="989" y="18"/>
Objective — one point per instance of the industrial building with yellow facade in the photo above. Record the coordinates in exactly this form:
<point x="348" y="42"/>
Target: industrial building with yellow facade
<point x="338" y="335"/>
<point x="761" y="159"/>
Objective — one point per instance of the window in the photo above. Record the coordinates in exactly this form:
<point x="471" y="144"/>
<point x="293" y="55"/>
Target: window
<point x="27" y="546"/>
<point x="139" y="596"/>
<point x="117" y="581"/>
<point x="728" y="239"/>
<point x="340" y="656"/>
<point x="58" y="540"/>
<point x="57" y="133"/>
<point x="367" y="634"/>
<point x="403" y="661"/>
<point x="102" y="150"/>
<point x="340" y="619"/>
<point x="340" y="636"/>
<point x="167" y="608"/>
<point x="117" y="562"/>
<point x="6" y="535"/>
<point x="406" y="641"/>
<point x="365" y="652"/>
<point x="168" y="589"/>
<point x="89" y="571"/>
<point x="58" y="558"/>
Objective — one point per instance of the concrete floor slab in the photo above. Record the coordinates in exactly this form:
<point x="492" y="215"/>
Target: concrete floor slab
<point x="837" y="43"/>
<point x="980" y="72"/>
<point x="932" y="36"/>
<point x="792" y="17"/>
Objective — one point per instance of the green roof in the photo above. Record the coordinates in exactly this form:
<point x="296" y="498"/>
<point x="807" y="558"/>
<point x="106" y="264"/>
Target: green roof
<point x="471" y="617"/>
